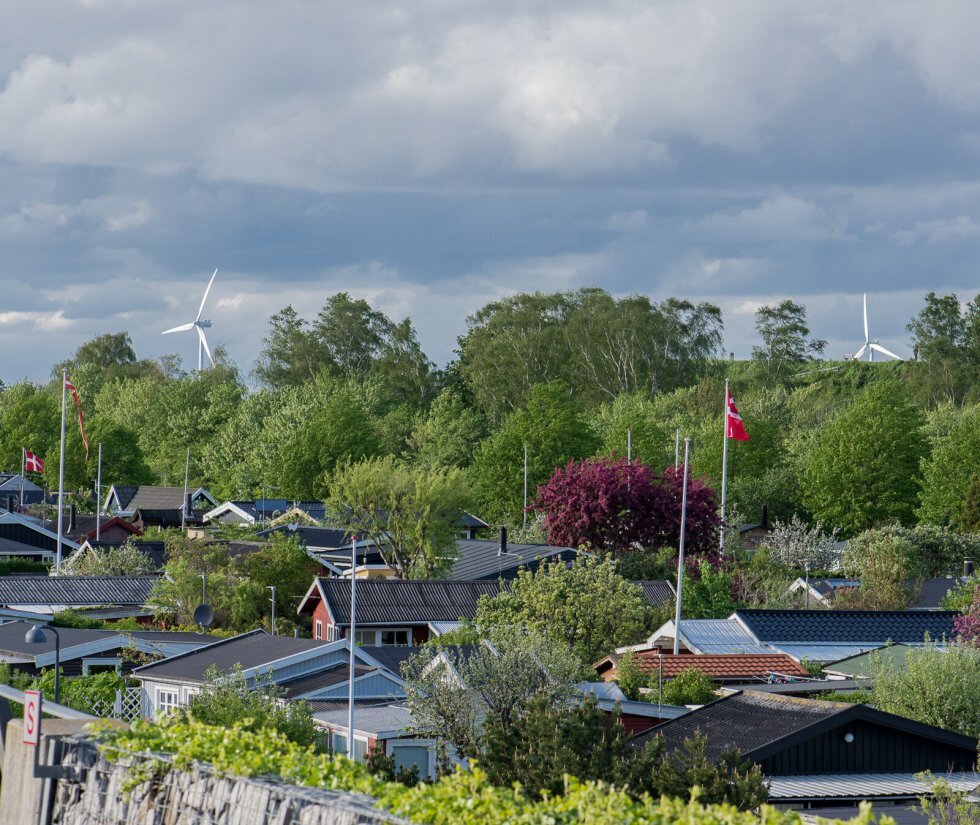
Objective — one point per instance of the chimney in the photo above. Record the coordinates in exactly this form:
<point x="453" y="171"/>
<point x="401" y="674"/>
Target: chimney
<point x="765" y="516"/>
<point x="503" y="541"/>
<point x="967" y="568"/>
<point x="187" y="506"/>
<point x="71" y="518"/>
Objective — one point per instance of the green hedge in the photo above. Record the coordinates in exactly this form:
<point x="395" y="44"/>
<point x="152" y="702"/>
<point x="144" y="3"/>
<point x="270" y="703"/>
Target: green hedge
<point x="464" y="798"/>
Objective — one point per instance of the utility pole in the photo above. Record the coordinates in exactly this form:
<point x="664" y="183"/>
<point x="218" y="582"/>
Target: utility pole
<point x="525" y="485"/>
<point x="273" y="600"/>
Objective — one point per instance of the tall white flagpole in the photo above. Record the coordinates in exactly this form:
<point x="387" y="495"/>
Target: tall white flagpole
<point x="680" y="556"/>
<point x="98" y="498"/>
<point x="629" y="445"/>
<point x="23" y="469"/>
<point x="677" y="448"/>
<point x="525" y="486"/>
<point x="183" y="502"/>
<point x="724" y="470"/>
<point x="61" y="476"/>
<point x="351" y="640"/>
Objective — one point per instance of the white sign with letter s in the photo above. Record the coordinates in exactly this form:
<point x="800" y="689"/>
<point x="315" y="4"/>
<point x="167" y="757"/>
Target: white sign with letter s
<point x="32" y="717"/>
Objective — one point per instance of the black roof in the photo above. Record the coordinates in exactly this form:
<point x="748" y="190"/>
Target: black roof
<point x="761" y="726"/>
<point x="82" y="591"/>
<point x="657" y="592"/>
<point x="399" y="601"/>
<point x="12" y="638"/>
<point x="336" y="675"/>
<point x="932" y="592"/>
<point x="847" y="626"/>
<point x="155" y="551"/>
<point x="481" y="559"/>
<point x="249" y="650"/>
<point x="390" y="657"/>
<point x="326" y="537"/>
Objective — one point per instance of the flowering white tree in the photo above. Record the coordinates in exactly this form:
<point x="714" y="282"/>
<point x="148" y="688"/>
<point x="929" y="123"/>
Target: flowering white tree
<point x="795" y="544"/>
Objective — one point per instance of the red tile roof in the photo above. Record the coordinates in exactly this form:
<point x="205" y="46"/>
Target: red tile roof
<point x="719" y="666"/>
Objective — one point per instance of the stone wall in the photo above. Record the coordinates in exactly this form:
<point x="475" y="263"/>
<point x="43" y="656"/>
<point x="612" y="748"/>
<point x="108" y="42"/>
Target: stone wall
<point x="104" y="796"/>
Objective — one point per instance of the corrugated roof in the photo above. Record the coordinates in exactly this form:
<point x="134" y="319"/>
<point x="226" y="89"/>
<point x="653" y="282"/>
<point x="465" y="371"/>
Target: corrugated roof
<point x="823" y="653"/>
<point x="658" y="592"/>
<point x="481" y="559"/>
<point x="370" y="719"/>
<point x="81" y="591"/>
<point x="847" y="626"/>
<point x="149" y="497"/>
<point x="720" y="666"/>
<point x="746" y="721"/>
<point x="397" y="601"/>
<point x="720" y="636"/>
<point x="249" y="650"/>
<point x="864" y="785"/>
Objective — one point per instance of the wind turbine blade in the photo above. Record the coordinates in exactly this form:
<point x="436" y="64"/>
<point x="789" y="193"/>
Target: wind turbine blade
<point x="866" y="336"/>
<point x="883" y="351"/>
<point x="204" y="300"/>
<point x="181" y="328"/>
<point x="204" y="343"/>
<point x="857" y="355"/>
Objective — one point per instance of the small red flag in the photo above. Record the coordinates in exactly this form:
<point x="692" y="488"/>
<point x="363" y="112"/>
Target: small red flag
<point x="734" y="426"/>
<point x="32" y="463"/>
<point x="81" y="420"/>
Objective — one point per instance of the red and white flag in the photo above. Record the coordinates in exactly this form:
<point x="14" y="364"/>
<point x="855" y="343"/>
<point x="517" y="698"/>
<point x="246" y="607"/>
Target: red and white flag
<point x="32" y="463"/>
<point x="734" y="426"/>
<point x="78" y="404"/>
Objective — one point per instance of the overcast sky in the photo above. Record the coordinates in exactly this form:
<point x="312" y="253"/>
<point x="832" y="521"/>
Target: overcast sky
<point x="436" y="155"/>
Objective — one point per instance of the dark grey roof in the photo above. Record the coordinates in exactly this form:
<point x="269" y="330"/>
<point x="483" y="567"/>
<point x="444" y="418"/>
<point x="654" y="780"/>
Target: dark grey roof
<point x="480" y="559"/>
<point x="76" y="590"/>
<point x="657" y="592"/>
<point x="249" y="650"/>
<point x="321" y="679"/>
<point x="148" y="497"/>
<point x="318" y="537"/>
<point x="745" y="721"/>
<point x="471" y="521"/>
<point x="847" y="626"/>
<point x="182" y="636"/>
<point x="397" y="601"/>
<point x="12" y="638"/>
<point x="155" y="551"/>
<point x="124" y="494"/>
<point x="390" y="657"/>
<point x="932" y="592"/>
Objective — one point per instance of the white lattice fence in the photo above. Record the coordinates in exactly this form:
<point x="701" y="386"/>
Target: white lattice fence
<point x="127" y="706"/>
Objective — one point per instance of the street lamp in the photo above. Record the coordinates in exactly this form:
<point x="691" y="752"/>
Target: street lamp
<point x="35" y="636"/>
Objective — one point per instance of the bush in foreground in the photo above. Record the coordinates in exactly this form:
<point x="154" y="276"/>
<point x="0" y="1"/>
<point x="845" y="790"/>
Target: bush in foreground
<point x="463" y="798"/>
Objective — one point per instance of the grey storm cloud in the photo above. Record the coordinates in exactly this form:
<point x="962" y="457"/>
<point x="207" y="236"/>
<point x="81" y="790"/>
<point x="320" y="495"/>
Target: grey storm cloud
<point x="436" y="156"/>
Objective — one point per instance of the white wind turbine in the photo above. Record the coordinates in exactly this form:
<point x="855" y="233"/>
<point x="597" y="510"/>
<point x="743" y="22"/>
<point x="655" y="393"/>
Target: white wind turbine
<point x="871" y="347"/>
<point x="199" y="325"/>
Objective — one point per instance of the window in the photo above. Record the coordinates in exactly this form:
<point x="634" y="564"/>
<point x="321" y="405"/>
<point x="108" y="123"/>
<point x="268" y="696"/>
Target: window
<point x="166" y="701"/>
<point x="340" y="743"/>
<point x="395" y="637"/>
<point x="318" y="629"/>
<point x="410" y="756"/>
<point x="365" y="637"/>
<point x="90" y="666"/>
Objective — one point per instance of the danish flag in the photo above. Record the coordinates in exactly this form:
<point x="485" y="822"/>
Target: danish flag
<point x="734" y="426"/>
<point x="78" y="404"/>
<point x="32" y="463"/>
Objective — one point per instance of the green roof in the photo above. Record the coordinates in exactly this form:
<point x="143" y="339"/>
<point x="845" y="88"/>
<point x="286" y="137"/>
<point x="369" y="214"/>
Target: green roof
<point x="862" y="665"/>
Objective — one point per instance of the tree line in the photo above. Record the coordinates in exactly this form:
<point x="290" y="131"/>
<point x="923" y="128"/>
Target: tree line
<point x="567" y="374"/>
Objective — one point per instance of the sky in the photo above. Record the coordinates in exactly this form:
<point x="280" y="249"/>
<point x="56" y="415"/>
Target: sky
<point x="433" y="156"/>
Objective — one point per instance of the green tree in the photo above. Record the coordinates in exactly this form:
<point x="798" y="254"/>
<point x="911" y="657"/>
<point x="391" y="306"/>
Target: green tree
<point x="863" y="468"/>
<point x="410" y="513"/>
<point x="30" y="418"/>
<point x="885" y="564"/>
<point x="949" y="468"/>
<point x="125" y="560"/>
<point x="933" y="685"/>
<point x="587" y="606"/>
<point x="290" y="354"/>
<point x="283" y="563"/>
<point x="785" y="340"/>
<point x="651" y="443"/>
<point x="969" y="520"/>
<point x="944" y="336"/>
<point x="449" y="434"/>
<point x="554" y="430"/>
<point x="494" y="683"/>
<point x="629" y="677"/>
<point x="709" y="594"/>
<point x="689" y="687"/>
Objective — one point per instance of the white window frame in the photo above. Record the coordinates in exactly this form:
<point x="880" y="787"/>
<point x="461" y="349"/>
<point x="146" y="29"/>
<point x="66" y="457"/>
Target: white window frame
<point x="87" y="664"/>
<point x="167" y="700"/>
<point x="377" y="631"/>
<point x="318" y="629"/>
<point x="363" y="740"/>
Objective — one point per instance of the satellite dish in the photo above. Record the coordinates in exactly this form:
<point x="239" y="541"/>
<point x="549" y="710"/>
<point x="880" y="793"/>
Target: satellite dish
<point x="204" y="615"/>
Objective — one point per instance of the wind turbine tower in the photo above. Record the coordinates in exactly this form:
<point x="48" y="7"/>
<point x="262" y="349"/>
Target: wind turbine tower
<point x="200" y="325"/>
<point x="871" y="346"/>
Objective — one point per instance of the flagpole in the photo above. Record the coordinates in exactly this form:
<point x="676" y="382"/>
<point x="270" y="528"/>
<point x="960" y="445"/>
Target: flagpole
<point x="525" y="486"/>
<point x="61" y="476"/>
<point x="677" y="448"/>
<point x="183" y="502"/>
<point x="98" y="498"/>
<point x="23" y="469"/>
<point x="724" y="470"/>
<point x="680" y="556"/>
<point x="351" y="642"/>
<point x="629" y="445"/>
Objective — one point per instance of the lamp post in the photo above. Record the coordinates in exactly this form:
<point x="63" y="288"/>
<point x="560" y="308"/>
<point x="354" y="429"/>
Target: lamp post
<point x="36" y="636"/>
<point x="272" y="623"/>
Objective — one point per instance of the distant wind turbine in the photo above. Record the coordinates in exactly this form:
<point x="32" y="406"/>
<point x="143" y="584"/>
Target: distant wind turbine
<point x="869" y="346"/>
<point x="199" y="325"/>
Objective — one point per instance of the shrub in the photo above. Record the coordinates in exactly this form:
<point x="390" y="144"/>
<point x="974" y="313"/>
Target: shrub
<point x="690" y="687"/>
<point x="629" y="676"/>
